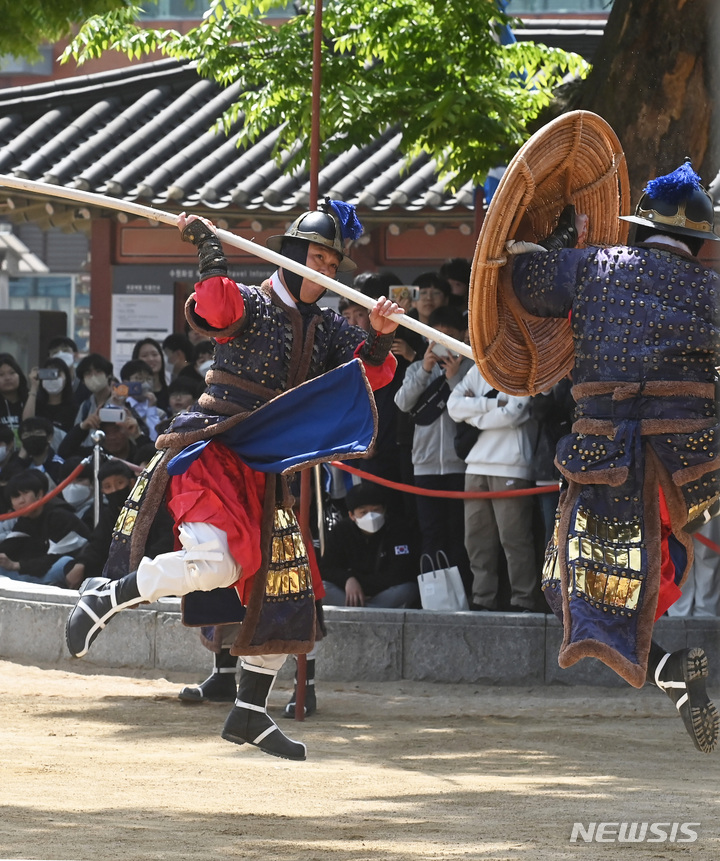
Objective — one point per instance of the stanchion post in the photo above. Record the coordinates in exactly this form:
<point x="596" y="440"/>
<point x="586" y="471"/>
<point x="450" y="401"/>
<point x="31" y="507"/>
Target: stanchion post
<point x="97" y="437"/>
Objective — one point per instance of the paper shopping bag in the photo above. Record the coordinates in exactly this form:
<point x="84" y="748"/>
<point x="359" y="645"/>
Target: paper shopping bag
<point x="441" y="587"/>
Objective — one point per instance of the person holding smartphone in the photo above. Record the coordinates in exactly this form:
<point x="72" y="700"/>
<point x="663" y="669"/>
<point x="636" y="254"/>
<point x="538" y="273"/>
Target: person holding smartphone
<point x="51" y="396"/>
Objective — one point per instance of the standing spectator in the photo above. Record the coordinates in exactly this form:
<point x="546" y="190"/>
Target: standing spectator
<point x="436" y="464"/>
<point x="370" y="559"/>
<point x="13" y="392"/>
<point x="500" y="461"/>
<point x="434" y="292"/>
<point x="701" y="590"/>
<point x="52" y="399"/>
<point x="150" y="351"/>
<point x="179" y="353"/>
<point x="39" y="549"/>
<point x="456" y="272"/>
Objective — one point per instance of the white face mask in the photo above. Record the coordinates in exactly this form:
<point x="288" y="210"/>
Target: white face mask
<point x="68" y="358"/>
<point x="54" y="387"/>
<point x="371" y="522"/>
<point x="204" y="367"/>
<point x="95" y="382"/>
<point x="76" y="494"/>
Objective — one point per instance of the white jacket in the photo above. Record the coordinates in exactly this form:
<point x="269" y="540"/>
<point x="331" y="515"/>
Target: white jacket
<point x="507" y="433"/>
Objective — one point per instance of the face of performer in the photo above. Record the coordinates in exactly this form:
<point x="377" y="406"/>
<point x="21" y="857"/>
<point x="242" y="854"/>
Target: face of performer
<point x="323" y="260"/>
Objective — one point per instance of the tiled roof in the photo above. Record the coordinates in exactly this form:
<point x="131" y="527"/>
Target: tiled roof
<point x="143" y="134"/>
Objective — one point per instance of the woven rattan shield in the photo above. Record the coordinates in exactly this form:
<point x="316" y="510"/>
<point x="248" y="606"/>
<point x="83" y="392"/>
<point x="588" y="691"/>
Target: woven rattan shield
<point x="576" y="159"/>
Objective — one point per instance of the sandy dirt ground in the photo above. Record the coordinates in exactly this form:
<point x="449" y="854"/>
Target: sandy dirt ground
<point x="104" y="766"/>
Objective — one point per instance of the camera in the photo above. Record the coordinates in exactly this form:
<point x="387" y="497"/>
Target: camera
<point x="48" y="373"/>
<point x="111" y="414"/>
<point x="403" y="292"/>
<point x="442" y="352"/>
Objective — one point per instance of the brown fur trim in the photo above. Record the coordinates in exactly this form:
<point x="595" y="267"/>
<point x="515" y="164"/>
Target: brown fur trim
<point x="653" y="388"/>
<point x="692" y="473"/>
<point x="259" y="578"/>
<point x="223" y="378"/>
<point x="648" y="427"/>
<point x="219" y="406"/>
<point x="152" y="500"/>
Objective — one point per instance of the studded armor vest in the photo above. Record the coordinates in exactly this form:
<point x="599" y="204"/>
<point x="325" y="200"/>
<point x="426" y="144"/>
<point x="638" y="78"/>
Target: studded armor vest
<point x="646" y="348"/>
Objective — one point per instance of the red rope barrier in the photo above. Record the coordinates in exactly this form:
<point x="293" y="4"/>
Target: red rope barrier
<point x="448" y="494"/>
<point x="707" y="542"/>
<point x="48" y="496"/>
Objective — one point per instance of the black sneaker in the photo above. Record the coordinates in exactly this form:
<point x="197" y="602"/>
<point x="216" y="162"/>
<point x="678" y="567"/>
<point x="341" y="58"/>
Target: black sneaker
<point x="682" y="676"/>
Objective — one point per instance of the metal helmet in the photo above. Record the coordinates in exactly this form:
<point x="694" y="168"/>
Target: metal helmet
<point x="331" y="226"/>
<point x="677" y="203"/>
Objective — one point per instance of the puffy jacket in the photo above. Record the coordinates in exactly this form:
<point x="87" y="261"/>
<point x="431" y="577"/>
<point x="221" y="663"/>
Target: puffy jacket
<point x="507" y="433"/>
<point x="433" y="452"/>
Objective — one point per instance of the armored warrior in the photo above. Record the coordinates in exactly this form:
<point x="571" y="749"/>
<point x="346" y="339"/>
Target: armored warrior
<point x="290" y="386"/>
<point x="640" y="467"/>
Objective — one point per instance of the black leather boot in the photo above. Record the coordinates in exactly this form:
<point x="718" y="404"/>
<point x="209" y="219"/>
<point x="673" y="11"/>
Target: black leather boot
<point x="682" y="676"/>
<point x="310" y="700"/>
<point x="100" y="599"/>
<point x="565" y="234"/>
<point x="219" y="686"/>
<point x="249" y="721"/>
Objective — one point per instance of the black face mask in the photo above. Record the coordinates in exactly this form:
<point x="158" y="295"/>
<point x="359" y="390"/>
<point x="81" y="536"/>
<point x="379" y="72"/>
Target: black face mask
<point x="297" y="250"/>
<point x="116" y="499"/>
<point x="35" y="445"/>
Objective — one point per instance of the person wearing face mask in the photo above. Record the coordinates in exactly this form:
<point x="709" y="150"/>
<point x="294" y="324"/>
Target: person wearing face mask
<point x="52" y="397"/>
<point x="96" y="373"/>
<point x="140" y="397"/>
<point x="203" y="354"/>
<point x="275" y="349"/>
<point x="36" y="451"/>
<point x="43" y="539"/>
<point x="79" y="494"/>
<point x="370" y="559"/>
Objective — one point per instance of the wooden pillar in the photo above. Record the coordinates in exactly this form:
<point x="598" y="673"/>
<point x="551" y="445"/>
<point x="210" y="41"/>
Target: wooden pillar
<point x="101" y="286"/>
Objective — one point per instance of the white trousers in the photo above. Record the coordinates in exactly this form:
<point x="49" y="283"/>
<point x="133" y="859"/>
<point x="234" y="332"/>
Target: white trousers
<point x="204" y="563"/>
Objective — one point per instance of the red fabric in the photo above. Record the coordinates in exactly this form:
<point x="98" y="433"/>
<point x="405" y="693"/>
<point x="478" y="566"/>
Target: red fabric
<point x="219" y="302"/>
<point x="218" y="488"/>
<point x="379" y="375"/>
<point x="669" y="590"/>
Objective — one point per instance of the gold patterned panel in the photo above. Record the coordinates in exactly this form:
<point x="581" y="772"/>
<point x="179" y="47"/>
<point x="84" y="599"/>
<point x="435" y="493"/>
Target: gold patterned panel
<point x="610" y="589"/>
<point x="612" y="533"/>
<point x="629" y="559"/>
<point x="139" y="488"/>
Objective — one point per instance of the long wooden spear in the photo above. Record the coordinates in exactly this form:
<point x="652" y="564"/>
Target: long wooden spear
<point x="100" y="200"/>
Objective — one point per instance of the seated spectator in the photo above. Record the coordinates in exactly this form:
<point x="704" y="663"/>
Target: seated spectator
<point x="434" y="292"/>
<point x="79" y="494"/>
<point x="96" y="372"/>
<point x="499" y="461"/>
<point x="116" y="481"/>
<point x="436" y="464"/>
<point x="36" y="451"/>
<point x="179" y="353"/>
<point x="52" y="398"/>
<point x="182" y="394"/>
<point x="456" y="271"/>
<point x="203" y="356"/>
<point x="123" y="436"/>
<point x="13" y="392"/>
<point x="64" y="348"/>
<point x="150" y="351"/>
<point x="370" y="558"/>
<point x="39" y="548"/>
<point x="8" y="444"/>
<point x="137" y="379"/>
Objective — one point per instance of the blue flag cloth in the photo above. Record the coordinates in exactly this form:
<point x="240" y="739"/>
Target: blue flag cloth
<point x="326" y="418"/>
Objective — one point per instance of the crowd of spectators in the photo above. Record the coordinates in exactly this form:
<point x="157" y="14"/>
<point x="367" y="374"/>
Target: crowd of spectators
<point x="441" y="428"/>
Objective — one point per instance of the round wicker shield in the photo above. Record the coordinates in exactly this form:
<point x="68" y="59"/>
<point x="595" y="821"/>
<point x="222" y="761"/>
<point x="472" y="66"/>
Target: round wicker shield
<point x="576" y="159"/>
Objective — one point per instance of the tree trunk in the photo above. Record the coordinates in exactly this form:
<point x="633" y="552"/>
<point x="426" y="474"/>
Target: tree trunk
<point x="655" y="80"/>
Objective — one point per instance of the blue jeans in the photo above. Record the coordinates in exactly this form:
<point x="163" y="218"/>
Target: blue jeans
<point x="55" y="576"/>
<point x="396" y="597"/>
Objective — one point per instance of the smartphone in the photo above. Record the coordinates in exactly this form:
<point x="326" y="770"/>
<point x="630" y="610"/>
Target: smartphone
<point x="111" y="414"/>
<point x="48" y="373"/>
<point x="403" y="292"/>
<point x="134" y="388"/>
<point x="442" y="352"/>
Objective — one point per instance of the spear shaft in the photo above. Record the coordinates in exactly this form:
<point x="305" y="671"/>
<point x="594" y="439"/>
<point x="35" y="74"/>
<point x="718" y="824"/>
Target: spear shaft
<point x="100" y="200"/>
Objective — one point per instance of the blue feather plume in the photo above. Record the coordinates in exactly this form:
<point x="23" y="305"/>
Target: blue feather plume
<point x="675" y="186"/>
<point x="350" y="227"/>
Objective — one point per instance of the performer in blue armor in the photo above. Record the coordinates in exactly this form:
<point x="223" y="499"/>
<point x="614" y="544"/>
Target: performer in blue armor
<point x="640" y="467"/>
<point x="273" y="403"/>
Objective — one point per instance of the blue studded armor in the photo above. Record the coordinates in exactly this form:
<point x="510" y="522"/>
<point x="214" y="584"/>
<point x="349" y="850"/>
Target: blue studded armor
<point x="644" y="323"/>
